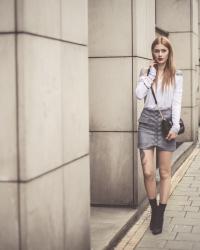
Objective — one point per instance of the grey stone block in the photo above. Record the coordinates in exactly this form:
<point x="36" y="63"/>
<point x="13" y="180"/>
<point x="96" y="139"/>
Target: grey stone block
<point x="191" y="209"/>
<point x="111" y="168"/>
<point x="188" y="237"/>
<point x="179" y="203"/>
<point x="186" y="221"/>
<point x="152" y="243"/>
<point x="48" y="17"/>
<point x="179" y="245"/>
<point x="8" y="132"/>
<point x="196" y="229"/>
<point x="164" y="236"/>
<point x="175" y="213"/>
<point x="172" y="207"/>
<point x="182" y="228"/>
<point x="192" y="214"/>
<point x="179" y="198"/>
<point x="7" y="19"/>
<point x="195" y="203"/>
<point x="9" y="220"/>
<point x="42" y="212"/>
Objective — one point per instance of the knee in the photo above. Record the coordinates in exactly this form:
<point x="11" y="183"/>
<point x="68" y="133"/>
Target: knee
<point x="165" y="174"/>
<point x="149" y="175"/>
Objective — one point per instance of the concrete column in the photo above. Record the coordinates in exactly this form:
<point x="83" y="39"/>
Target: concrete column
<point x="116" y="47"/>
<point x="9" y="209"/>
<point x="180" y="19"/>
<point x="143" y="36"/>
<point x="110" y="81"/>
<point x="44" y="157"/>
<point x="198" y="67"/>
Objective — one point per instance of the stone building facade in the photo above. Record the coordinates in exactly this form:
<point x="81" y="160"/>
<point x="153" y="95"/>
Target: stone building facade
<point x="69" y="114"/>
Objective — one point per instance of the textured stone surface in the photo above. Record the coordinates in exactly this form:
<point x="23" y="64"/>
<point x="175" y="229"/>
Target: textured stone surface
<point x="171" y="15"/>
<point x="39" y="17"/>
<point x="138" y="64"/>
<point x="75" y="101"/>
<point x="182" y="42"/>
<point x="8" y="137"/>
<point x="143" y="27"/>
<point x="187" y="88"/>
<point x="42" y="212"/>
<point x="111" y="94"/>
<point x="77" y="204"/>
<point x="110" y="28"/>
<point x="7" y="20"/>
<point x="40" y="124"/>
<point x="111" y="160"/>
<point x="9" y="220"/>
<point x="74" y="21"/>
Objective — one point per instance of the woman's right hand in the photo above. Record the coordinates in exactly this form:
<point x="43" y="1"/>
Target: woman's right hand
<point x="152" y="71"/>
<point x="154" y="64"/>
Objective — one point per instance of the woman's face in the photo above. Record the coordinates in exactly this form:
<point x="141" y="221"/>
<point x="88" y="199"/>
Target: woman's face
<point x="160" y="53"/>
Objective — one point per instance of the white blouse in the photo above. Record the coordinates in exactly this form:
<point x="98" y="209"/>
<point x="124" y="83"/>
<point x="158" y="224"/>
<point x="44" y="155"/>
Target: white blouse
<point x="169" y="98"/>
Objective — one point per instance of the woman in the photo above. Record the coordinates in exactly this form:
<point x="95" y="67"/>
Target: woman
<point x="167" y="83"/>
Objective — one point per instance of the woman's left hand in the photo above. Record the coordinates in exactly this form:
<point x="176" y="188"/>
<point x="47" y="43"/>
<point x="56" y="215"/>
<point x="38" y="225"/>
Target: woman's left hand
<point x="171" y="135"/>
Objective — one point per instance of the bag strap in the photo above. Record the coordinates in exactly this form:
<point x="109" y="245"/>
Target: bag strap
<point x="156" y="102"/>
<point x="154" y="96"/>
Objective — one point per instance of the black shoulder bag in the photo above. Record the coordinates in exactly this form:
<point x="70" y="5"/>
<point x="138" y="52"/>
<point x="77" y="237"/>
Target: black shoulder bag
<point x="167" y="123"/>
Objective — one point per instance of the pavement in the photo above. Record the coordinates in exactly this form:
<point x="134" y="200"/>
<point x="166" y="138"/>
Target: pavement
<point x="181" y="229"/>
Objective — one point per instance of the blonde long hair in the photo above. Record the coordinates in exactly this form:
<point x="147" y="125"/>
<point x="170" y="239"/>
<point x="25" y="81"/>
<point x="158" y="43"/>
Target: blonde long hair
<point x="170" y="70"/>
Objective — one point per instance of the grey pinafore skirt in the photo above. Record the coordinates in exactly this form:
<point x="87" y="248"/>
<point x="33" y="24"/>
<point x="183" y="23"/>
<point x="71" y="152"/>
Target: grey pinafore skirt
<point x="150" y="133"/>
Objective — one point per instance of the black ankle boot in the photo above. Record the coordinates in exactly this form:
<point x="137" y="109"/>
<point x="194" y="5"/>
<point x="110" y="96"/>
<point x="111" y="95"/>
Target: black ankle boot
<point x="159" y="219"/>
<point x="153" y="204"/>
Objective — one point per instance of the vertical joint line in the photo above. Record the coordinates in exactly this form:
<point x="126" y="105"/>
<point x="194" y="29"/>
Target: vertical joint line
<point x="134" y="181"/>
<point x="17" y="124"/>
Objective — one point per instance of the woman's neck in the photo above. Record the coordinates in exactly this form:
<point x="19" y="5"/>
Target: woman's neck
<point x="161" y="67"/>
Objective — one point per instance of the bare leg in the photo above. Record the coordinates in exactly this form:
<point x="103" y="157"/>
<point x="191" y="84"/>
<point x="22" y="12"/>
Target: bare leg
<point x="164" y="163"/>
<point x="149" y="172"/>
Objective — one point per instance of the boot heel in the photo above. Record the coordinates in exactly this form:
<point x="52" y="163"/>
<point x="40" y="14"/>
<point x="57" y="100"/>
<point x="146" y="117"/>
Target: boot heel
<point x="159" y="219"/>
<point x="153" y="204"/>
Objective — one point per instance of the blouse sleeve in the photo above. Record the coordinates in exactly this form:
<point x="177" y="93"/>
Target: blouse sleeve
<point x="144" y="84"/>
<point x="176" y="102"/>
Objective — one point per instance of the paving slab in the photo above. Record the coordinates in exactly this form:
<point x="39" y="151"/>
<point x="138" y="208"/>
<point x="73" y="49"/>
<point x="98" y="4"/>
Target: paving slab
<point x="182" y="217"/>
